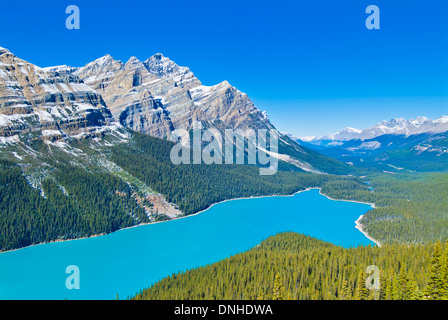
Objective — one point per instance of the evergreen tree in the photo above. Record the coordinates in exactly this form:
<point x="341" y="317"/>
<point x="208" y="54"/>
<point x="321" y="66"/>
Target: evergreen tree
<point x="387" y="285"/>
<point x="413" y="289"/>
<point x="361" y="292"/>
<point x="395" y="289"/>
<point x="403" y="286"/>
<point x="278" y="288"/>
<point x="260" y="295"/>
<point x="345" y="291"/>
<point x="444" y="271"/>
<point x="435" y="288"/>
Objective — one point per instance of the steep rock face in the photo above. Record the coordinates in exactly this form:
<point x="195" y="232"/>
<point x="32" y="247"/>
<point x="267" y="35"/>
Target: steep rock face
<point x="157" y="96"/>
<point x="129" y="101"/>
<point x="228" y="104"/>
<point x="47" y="102"/>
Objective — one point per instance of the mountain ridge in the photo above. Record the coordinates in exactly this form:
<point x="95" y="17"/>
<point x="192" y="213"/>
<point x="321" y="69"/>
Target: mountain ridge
<point x="397" y="126"/>
<point x="154" y="97"/>
<point x="419" y="144"/>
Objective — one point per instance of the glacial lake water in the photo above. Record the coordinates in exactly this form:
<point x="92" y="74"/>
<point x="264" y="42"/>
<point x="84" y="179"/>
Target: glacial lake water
<point x="126" y="261"/>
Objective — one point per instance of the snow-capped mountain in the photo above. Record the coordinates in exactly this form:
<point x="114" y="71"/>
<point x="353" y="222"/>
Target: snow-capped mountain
<point x="346" y="134"/>
<point x="416" y="144"/>
<point x="398" y="126"/>
<point x="63" y="104"/>
<point x="156" y="96"/>
<point x="42" y="103"/>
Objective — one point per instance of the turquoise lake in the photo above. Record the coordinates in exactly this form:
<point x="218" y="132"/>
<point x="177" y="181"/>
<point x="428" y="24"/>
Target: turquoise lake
<point x="126" y="261"/>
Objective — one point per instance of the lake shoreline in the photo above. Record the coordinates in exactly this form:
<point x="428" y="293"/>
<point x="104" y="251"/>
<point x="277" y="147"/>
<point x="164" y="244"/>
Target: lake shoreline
<point x="358" y="225"/>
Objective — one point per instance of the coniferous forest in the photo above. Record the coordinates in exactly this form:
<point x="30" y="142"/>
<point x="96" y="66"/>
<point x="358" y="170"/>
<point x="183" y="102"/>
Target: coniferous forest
<point x="88" y="204"/>
<point x="291" y="266"/>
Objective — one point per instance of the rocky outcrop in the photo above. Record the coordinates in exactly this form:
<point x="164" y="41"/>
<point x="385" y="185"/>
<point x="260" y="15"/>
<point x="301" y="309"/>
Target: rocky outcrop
<point x="47" y="102"/>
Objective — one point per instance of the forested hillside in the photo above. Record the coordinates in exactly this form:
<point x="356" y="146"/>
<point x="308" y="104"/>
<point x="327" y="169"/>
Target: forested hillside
<point x="410" y="207"/>
<point x="195" y="187"/>
<point x="293" y="266"/>
<point x="75" y="204"/>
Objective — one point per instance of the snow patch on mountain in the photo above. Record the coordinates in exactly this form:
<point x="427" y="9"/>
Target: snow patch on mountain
<point x="371" y="145"/>
<point x="397" y="126"/>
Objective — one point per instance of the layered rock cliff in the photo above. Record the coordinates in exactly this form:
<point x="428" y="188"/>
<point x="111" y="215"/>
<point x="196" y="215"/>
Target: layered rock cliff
<point x="50" y="104"/>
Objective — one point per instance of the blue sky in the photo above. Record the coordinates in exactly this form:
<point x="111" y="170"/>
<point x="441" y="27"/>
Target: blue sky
<point x="312" y="65"/>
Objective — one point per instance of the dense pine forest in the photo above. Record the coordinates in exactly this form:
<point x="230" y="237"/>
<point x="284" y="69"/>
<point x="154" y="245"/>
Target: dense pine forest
<point x="293" y="266"/>
<point x="88" y="204"/>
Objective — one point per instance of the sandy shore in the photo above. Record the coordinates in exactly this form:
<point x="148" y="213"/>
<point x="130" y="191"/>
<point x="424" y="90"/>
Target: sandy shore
<point x="358" y="225"/>
<point x="371" y="204"/>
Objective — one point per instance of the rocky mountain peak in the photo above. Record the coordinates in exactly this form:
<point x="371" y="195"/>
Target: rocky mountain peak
<point x="104" y="60"/>
<point x="419" y="121"/>
<point x="133" y="60"/>
<point x="158" y="56"/>
<point x="162" y="66"/>
<point x="158" y="96"/>
<point x="134" y="64"/>
<point x="102" y="65"/>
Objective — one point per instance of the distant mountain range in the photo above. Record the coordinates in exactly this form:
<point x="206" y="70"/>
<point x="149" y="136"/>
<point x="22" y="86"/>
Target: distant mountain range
<point x="419" y="144"/>
<point x="398" y="126"/>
